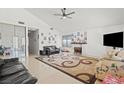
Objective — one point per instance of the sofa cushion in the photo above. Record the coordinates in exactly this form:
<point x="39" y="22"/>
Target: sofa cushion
<point x="121" y="54"/>
<point x="22" y="77"/>
<point x="14" y="72"/>
<point x="9" y="64"/>
<point x="11" y="60"/>
<point x="118" y="58"/>
<point x="53" y="47"/>
<point x="1" y="62"/>
<point x="111" y="53"/>
<point x="12" y="78"/>
<point x="30" y="80"/>
<point x="11" y="70"/>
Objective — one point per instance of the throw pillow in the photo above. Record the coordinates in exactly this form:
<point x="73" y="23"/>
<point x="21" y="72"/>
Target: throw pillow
<point x="121" y="80"/>
<point x="117" y="58"/>
<point x="109" y="79"/>
<point x="121" y="54"/>
<point x="1" y="62"/>
<point x="111" y="53"/>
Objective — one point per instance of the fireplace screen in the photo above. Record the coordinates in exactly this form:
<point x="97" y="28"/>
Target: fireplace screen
<point x="77" y="50"/>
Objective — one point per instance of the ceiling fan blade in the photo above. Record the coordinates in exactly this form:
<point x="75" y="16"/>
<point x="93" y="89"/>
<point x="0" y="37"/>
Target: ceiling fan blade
<point x="70" y="13"/>
<point x="57" y="14"/>
<point x="63" y="11"/>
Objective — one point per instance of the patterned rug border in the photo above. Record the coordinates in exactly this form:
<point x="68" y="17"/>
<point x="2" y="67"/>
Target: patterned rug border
<point x="92" y="82"/>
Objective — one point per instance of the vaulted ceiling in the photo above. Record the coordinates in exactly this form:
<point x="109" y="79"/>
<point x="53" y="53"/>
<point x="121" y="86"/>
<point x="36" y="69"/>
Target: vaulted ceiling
<point x="83" y="17"/>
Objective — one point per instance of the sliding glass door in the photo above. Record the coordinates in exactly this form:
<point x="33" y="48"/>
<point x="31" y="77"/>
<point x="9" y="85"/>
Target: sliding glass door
<point x="19" y="41"/>
<point x="12" y="40"/>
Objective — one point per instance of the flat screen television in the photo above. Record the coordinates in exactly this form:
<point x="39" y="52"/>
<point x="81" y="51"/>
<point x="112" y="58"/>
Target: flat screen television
<point x="113" y="39"/>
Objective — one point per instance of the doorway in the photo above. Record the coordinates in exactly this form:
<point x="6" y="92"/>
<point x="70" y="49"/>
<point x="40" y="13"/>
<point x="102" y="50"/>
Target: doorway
<point x="33" y="38"/>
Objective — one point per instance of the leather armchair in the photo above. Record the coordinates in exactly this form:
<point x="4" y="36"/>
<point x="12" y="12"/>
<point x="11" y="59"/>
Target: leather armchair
<point x="14" y="72"/>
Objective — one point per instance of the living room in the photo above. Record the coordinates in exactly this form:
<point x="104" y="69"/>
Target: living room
<point x="67" y="45"/>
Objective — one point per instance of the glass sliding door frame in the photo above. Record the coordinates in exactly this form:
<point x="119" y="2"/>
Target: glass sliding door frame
<point x="5" y="24"/>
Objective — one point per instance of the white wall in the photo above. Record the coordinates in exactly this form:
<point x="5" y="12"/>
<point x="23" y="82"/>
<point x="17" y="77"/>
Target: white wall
<point x="46" y="34"/>
<point x="12" y="16"/>
<point x="95" y="39"/>
<point x="94" y="46"/>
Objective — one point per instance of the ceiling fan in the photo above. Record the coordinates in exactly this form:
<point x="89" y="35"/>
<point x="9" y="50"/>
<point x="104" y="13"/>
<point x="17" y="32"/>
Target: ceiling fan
<point x="64" y="14"/>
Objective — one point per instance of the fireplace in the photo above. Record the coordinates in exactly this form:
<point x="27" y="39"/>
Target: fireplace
<point x="77" y="50"/>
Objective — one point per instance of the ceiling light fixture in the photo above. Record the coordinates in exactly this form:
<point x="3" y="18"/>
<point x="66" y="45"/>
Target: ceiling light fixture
<point x="64" y="14"/>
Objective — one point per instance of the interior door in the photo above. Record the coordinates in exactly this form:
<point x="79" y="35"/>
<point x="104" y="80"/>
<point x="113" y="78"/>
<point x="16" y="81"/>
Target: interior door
<point x="33" y="42"/>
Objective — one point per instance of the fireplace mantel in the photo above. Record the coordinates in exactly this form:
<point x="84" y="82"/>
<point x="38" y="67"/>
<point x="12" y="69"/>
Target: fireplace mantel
<point x="78" y="48"/>
<point x="78" y="43"/>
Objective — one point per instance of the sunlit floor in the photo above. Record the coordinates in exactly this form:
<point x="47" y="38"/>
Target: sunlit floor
<point x="47" y="74"/>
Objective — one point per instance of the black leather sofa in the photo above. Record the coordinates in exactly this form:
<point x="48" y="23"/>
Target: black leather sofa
<point x="49" y="50"/>
<point x="14" y="72"/>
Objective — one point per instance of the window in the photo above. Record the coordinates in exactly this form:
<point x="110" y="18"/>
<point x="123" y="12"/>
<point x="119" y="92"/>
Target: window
<point x="66" y="40"/>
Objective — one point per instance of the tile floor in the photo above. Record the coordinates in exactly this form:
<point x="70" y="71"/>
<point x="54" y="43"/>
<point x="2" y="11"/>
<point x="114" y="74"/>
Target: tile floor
<point x="47" y="74"/>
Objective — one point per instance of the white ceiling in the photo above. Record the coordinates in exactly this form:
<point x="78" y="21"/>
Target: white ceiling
<point x="83" y="17"/>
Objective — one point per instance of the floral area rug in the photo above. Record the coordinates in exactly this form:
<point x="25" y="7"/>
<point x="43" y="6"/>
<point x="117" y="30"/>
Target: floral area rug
<point x="78" y="67"/>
